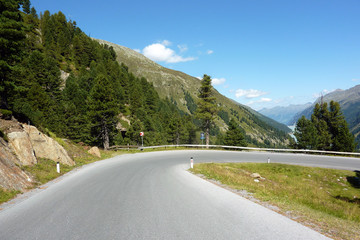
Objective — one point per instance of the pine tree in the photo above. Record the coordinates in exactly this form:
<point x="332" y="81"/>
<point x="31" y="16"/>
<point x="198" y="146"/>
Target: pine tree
<point x="34" y="13"/>
<point x="26" y="6"/>
<point x="327" y="130"/>
<point x="305" y="133"/>
<point x="320" y="119"/>
<point x="207" y="109"/>
<point x="12" y="38"/>
<point x="133" y="133"/>
<point x="104" y="108"/>
<point x="234" y="135"/>
<point x="342" y="139"/>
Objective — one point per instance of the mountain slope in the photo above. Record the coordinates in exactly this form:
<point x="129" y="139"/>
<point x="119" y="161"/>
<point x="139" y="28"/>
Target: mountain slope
<point x="284" y="115"/>
<point x="349" y="101"/>
<point x="178" y="86"/>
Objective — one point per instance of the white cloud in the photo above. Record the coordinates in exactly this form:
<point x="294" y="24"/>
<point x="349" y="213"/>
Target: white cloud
<point x="251" y="93"/>
<point x="160" y="52"/>
<point x="209" y="52"/>
<point x="218" y="81"/>
<point x="137" y="50"/>
<point x="166" y="43"/>
<point x="355" y="79"/>
<point x="200" y="78"/>
<point x="262" y="100"/>
<point x="182" y="48"/>
<point x="265" y="100"/>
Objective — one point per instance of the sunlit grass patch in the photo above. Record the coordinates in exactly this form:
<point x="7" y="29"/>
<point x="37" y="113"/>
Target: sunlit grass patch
<point x="317" y="197"/>
<point x="6" y="195"/>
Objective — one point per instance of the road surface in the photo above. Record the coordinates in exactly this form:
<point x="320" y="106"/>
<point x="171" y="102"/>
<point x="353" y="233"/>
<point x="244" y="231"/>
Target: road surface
<point x="153" y="196"/>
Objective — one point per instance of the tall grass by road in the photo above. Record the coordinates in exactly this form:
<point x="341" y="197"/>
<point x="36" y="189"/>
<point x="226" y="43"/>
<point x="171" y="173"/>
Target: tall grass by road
<point x="326" y="200"/>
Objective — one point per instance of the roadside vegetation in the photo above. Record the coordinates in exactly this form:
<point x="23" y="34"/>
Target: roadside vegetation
<point x="6" y="195"/>
<point x="45" y="170"/>
<point x="326" y="200"/>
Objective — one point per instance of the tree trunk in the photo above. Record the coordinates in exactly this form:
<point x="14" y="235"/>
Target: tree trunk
<point x="105" y="136"/>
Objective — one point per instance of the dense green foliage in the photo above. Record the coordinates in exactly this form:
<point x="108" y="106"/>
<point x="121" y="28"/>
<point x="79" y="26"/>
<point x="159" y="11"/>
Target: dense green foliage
<point x="59" y="79"/>
<point x="327" y="130"/>
<point x="234" y="135"/>
<point x="12" y="36"/>
<point x="206" y="108"/>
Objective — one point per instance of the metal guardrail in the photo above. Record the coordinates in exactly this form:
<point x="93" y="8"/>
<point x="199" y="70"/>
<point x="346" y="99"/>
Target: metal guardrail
<point x="254" y="149"/>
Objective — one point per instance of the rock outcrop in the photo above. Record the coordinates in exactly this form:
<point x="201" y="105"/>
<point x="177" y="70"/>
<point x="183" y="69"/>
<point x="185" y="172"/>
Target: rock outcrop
<point x="95" y="152"/>
<point x="23" y="146"/>
<point x="46" y="147"/>
<point x="19" y="143"/>
<point x="11" y="176"/>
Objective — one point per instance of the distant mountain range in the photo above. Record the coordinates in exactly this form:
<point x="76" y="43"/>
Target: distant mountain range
<point x="284" y="115"/>
<point x="182" y="89"/>
<point x="349" y="101"/>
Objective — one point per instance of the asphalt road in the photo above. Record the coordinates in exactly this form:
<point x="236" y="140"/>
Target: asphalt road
<point x="153" y="196"/>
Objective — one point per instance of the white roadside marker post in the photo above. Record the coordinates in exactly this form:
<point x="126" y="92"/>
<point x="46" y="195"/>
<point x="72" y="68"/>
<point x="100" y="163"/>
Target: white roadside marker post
<point x="58" y="167"/>
<point x="268" y="161"/>
<point x="191" y="162"/>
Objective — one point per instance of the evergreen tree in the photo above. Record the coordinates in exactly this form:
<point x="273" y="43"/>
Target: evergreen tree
<point x="234" y="135"/>
<point x="342" y="139"/>
<point x="320" y="119"/>
<point x="12" y="37"/>
<point x="305" y="133"/>
<point x="34" y="13"/>
<point x="77" y="121"/>
<point x="207" y="109"/>
<point x="26" y="6"/>
<point x="104" y="108"/>
<point x="327" y="130"/>
<point x="133" y="133"/>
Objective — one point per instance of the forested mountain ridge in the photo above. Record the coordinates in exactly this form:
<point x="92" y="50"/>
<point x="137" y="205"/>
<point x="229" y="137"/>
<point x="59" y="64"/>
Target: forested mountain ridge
<point x="349" y="101"/>
<point x="57" y="78"/>
<point x="182" y="90"/>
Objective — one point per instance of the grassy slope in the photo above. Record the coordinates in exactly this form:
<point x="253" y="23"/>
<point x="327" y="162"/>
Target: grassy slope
<point x="320" y="198"/>
<point x="173" y="83"/>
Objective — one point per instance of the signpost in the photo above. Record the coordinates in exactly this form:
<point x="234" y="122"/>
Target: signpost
<point x="202" y="137"/>
<point x="142" y="138"/>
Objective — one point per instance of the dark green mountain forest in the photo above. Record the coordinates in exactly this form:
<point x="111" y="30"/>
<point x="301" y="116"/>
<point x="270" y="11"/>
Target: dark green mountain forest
<point x="92" y="104"/>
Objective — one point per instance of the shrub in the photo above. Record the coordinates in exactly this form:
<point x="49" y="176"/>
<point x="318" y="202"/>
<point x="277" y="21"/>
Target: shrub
<point x="5" y="114"/>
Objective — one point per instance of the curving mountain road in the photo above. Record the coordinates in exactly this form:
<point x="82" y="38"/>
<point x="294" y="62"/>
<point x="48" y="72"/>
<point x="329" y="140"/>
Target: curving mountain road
<point x="153" y="196"/>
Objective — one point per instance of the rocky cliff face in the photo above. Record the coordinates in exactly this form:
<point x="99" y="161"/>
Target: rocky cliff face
<point x="11" y="176"/>
<point x="24" y="145"/>
<point x="46" y="147"/>
<point x="20" y="144"/>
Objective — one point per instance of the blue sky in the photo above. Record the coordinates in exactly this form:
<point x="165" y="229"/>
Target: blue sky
<point x="261" y="53"/>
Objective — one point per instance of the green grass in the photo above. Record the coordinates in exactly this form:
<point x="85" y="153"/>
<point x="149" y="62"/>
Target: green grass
<point x="45" y="170"/>
<point x="6" y="195"/>
<point x="317" y="197"/>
